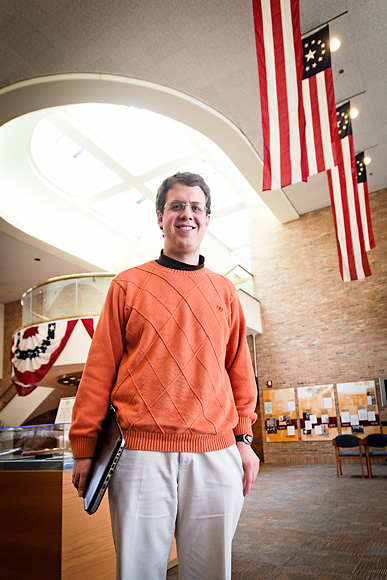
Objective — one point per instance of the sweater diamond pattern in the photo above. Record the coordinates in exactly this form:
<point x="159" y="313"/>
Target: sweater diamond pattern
<point x="174" y="329"/>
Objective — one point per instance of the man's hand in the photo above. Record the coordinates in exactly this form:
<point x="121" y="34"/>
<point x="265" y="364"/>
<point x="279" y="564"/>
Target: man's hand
<point x="81" y="472"/>
<point x="250" y="463"/>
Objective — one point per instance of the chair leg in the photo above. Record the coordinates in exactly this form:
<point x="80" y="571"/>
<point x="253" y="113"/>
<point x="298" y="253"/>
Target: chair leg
<point x="361" y="463"/>
<point x="368" y="463"/>
<point x="338" y="463"/>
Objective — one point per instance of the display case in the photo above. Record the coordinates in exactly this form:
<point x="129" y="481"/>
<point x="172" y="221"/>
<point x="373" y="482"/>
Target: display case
<point x="45" y="531"/>
<point x="35" y="448"/>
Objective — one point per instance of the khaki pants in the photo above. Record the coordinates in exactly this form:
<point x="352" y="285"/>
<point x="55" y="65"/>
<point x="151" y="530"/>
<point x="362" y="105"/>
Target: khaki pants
<point x="152" y="492"/>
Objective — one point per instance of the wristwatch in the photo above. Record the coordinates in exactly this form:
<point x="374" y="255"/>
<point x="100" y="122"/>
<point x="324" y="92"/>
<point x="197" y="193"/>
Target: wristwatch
<point x="248" y="439"/>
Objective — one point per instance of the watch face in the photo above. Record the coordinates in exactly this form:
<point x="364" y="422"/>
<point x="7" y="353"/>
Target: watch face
<point x="245" y="438"/>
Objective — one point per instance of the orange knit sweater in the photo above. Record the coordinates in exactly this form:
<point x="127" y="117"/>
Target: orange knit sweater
<point x="170" y="352"/>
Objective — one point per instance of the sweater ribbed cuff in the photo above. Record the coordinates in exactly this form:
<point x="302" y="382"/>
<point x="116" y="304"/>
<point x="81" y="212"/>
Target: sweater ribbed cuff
<point x="83" y="447"/>
<point x="243" y="427"/>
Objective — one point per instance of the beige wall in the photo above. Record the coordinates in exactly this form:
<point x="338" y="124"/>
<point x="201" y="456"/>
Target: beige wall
<point x="12" y="321"/>
<point x="316" y="329"/>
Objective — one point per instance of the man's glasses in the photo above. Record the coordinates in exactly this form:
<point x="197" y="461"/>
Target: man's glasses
<point x="179" y="206"/>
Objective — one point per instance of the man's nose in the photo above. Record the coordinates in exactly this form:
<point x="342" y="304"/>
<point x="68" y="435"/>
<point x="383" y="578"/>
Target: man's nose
<point x="187" y="211"/>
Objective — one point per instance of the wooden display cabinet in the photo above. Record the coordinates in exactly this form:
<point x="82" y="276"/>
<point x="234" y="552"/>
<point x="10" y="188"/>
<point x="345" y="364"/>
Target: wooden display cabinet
<point x="45" y="532"/>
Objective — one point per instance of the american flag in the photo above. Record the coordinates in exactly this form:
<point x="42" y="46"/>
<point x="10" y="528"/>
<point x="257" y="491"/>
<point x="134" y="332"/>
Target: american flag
<point x="279" y="53"/>
<point x="365" y="212"/>
<point x="342" y="180"/>
<point x="322" y="139"/>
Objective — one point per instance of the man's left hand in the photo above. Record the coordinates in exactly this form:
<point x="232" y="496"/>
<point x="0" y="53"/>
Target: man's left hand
<point x="250" y="463"/>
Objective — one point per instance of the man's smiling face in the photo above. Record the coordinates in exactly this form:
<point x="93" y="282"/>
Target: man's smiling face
<point x="183" y="230"/>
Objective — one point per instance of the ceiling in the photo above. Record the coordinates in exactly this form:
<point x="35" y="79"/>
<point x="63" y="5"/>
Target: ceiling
<point x="204" y="50"/>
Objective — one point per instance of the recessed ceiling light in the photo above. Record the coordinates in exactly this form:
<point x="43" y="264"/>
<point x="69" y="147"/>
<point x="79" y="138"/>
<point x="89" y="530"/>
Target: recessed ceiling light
<point x="367" y="160"/>
<point x="335" y="44"/>
<point x="354" y="113"/>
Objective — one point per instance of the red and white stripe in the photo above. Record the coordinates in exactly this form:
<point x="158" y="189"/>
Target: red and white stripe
<point x="322" y="138"/>
<point x="365" y="213"/>
<point x="280" y="67"/>
<point x="342" y="180"/>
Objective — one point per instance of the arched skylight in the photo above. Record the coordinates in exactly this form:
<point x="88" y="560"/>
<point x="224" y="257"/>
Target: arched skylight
<point x="83" y="179"/>
<point x="110" y="159"/>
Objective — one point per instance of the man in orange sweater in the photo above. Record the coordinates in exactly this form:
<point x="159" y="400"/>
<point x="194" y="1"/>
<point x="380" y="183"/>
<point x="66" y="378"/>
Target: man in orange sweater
<point x="170" y="353"/>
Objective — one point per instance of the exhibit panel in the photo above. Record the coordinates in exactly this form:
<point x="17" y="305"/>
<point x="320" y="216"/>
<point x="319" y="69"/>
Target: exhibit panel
<point x="359" y="414"/>
<point x="280" y="415"/>
<point x="317" y="411"/>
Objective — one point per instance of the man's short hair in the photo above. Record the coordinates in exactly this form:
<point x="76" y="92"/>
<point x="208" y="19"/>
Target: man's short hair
<point x="187" y="178"/>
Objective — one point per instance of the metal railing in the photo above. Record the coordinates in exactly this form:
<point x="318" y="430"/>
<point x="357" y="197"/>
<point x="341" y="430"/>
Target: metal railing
<point x="65" y="297"/>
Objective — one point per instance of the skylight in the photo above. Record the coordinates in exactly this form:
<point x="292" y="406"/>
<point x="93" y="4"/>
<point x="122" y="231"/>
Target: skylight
<point x="66" y="164"/>
<point x="110" y="160"/>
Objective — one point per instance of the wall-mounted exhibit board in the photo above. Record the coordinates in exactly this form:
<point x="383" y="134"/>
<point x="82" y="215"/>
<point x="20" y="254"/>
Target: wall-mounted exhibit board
<point x="280" y="415"/>
<point x="358" y="407"/>
<point x="318" y="419"/>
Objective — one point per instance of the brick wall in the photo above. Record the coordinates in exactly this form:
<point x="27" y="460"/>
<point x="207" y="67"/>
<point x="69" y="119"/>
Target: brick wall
<point x="316" y="329"/>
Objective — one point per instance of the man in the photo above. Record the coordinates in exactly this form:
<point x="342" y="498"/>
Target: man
<point x="170" y="352"/>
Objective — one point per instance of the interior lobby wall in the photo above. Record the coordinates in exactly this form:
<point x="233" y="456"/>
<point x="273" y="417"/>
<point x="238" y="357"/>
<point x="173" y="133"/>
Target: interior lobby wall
<point x="317" y="329"/>
<point x="12" y="321"/>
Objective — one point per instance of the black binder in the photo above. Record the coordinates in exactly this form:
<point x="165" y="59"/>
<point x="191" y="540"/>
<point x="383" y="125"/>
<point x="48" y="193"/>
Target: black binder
<point x="108" y="450"/>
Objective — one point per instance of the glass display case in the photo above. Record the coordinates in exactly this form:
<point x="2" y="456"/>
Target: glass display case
<point x="35" y="448"/>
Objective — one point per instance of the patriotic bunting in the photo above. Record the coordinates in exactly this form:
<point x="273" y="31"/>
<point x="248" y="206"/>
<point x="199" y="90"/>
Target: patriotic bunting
<point x="322" y="138"/>
<point x="279" y="53"/>
<point x="342" y="180"/>
<point x="35" y="350"/>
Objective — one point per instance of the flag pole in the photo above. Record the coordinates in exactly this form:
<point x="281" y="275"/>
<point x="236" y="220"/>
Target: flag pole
<point x="317" y="28"/>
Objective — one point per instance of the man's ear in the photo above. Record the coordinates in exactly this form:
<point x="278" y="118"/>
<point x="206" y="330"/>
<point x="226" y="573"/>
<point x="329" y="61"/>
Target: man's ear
<point x="160" y="219"/>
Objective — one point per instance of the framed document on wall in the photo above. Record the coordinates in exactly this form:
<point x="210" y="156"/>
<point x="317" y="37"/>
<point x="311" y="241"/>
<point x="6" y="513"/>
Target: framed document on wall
<point x="359" y="413"/>
<point x="318" y="419"/>
<point x="280" y="415"/>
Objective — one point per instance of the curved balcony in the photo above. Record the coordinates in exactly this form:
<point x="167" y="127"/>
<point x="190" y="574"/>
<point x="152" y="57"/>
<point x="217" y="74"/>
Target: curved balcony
<point x="65" y="297"/>
<point x="50" y="350"/>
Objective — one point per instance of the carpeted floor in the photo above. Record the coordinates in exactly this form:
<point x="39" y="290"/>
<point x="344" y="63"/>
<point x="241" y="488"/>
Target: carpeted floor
<point x="303" y="523"/>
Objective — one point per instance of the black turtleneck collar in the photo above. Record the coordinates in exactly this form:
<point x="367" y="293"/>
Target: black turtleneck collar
<point x="167" y="262"/>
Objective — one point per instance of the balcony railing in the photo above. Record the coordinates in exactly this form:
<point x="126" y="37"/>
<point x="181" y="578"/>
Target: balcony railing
<point x="242" y="279"/>
<point x="65" y="297"/>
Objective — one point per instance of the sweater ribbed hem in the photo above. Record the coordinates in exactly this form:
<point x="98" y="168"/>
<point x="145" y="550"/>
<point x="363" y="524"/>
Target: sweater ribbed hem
<point x="187" y="443"/>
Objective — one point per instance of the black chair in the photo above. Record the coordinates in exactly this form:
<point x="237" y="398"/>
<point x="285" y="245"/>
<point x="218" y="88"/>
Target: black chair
<point x="348" y="442"/>
<point x="378" y="440"/>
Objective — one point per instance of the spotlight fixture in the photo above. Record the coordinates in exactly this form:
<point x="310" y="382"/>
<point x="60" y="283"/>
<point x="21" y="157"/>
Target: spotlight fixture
<point x="70" y="380"/>
<point x="354" y="113"/>
<point x="335" y="44"/>
<point x="367" y="160"/>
